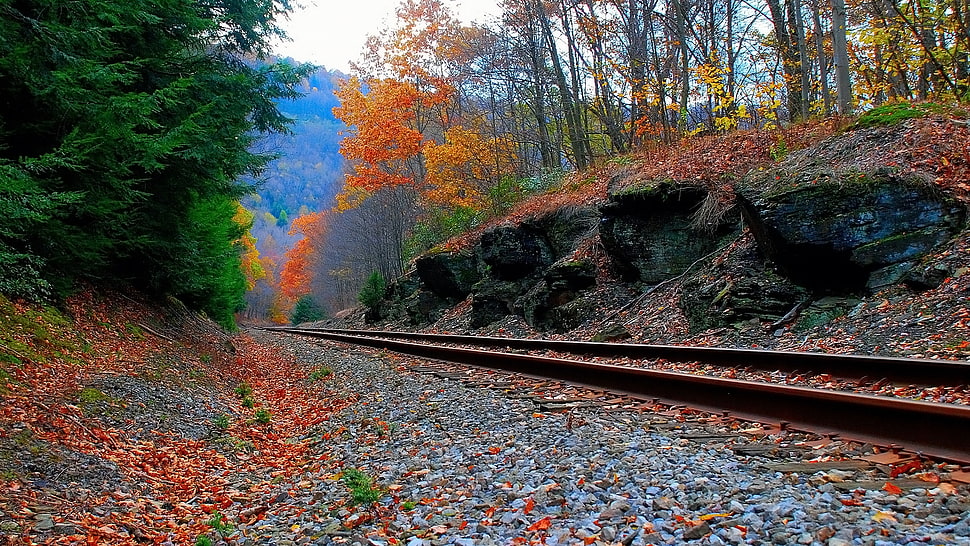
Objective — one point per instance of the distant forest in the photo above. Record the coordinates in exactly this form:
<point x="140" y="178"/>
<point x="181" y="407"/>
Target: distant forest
<point x="305" y="178"/>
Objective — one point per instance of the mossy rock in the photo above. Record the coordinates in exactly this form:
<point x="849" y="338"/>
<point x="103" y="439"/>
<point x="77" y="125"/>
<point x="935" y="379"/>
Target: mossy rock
<point x="650" y="233"/>
<point x="853" y="232"/>
<point x="887" y="115"/>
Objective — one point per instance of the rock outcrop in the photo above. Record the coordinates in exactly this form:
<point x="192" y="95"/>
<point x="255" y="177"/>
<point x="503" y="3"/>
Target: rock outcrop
<point x="650" y="232"/>
<point x="820" y="231"/>
<point x="848" y="232"/>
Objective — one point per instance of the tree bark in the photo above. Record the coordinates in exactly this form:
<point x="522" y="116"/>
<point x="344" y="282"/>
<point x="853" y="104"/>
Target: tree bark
<point x="840" y="54"/>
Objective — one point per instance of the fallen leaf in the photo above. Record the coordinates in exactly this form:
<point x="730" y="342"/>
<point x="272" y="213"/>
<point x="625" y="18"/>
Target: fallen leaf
<point x="707" y="517"/>
<point x="542" y="524"/>
<point x="891" y="489"/>
<point x="880" y="517"/>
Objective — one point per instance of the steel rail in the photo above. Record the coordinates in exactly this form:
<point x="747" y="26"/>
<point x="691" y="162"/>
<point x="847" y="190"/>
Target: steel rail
<point x="909" y="370"/>
<point x="934" y="429"/>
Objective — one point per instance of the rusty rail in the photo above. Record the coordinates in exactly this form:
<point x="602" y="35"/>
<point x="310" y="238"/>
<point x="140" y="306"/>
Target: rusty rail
<point x="903" y="370"/>
<point x="934" y="429"/>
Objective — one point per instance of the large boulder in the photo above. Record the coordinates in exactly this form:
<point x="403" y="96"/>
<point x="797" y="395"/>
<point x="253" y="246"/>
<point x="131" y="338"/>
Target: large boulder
<point x="513" y="252"/>
<point x="565" y="228"/>
<point x="546" y="305"/>
<point x="848" y="231"/>
<point x="409" y="300"/>
<point x="493" y="300"/>
<point x="448" y="274"/>
<point x="650" y="232"/>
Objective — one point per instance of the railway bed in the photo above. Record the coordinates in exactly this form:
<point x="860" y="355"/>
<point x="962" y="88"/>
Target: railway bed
<point x="931" y="429"/>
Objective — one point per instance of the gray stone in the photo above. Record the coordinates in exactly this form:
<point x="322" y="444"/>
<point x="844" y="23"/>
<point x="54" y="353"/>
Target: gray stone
<point x="697" y="531"/>
<point x="850" y="231"/>
<point x="43" y="522"/>
<point x="650" y="234"/>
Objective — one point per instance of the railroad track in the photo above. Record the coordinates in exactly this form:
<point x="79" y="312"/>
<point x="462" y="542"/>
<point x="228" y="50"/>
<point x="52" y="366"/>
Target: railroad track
<point x="936" y="430"/>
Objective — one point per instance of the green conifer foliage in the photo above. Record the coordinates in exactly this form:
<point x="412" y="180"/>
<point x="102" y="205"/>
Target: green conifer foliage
<point x="307" y="310"/>
<point x="125" y="136"/>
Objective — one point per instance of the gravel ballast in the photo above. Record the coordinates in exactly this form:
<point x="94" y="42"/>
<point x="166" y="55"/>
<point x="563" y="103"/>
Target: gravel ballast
<point x="476" y="466"/>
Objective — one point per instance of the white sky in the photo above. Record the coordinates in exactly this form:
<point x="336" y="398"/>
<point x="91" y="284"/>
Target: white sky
<point x="331" y="33"/>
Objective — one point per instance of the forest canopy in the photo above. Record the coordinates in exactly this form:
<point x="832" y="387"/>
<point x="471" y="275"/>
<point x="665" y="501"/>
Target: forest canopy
<point x="126" y="133"/>
<point x="450" y="124"/>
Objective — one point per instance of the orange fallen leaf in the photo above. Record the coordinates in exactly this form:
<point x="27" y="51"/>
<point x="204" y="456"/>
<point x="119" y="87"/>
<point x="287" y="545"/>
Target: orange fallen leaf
<point x="891" y="488"/>
<point x="707" y="517"/>
<point x="541" y="525"/>
<point x="879" y="517"/>
<point x="529" y="505"/>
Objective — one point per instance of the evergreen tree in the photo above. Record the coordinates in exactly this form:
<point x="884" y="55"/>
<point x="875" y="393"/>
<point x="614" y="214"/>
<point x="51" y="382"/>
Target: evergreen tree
<point x="373" y="291"/>
<point x="125" y="134"/>
<point x="307" y="310"/>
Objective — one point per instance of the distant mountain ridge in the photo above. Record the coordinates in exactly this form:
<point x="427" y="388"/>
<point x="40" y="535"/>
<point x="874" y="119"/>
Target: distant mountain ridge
<point x="307" y="175"/>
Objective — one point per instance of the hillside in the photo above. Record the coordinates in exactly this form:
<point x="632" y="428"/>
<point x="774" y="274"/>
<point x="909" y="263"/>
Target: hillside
<point x="728" y="291"/>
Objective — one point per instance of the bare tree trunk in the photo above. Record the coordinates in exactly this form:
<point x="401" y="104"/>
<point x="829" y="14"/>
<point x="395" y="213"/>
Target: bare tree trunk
<point x="680" y="30"/>
<point x="573" y="119"/>
<point x="840" y="54"/>
<point x="799" y="27"/>
<point x="788" y="52"/>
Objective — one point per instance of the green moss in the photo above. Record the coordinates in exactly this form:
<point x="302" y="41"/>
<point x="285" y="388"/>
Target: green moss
<point x="90" y="395"/>
<point x="35" y="334"/>
<point x="92" y="401"/>
<point x="645" y="187"/>
<point x="897" y="112"/>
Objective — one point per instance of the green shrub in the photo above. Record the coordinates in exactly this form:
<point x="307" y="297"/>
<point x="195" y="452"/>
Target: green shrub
<point x="244" y="390"/>
<point x="373" y="291"/>
<point x="218" y="522"/>
<point x="320" y="373"/>
<point x="221" y="422"/>
<point x="307" y="310"/>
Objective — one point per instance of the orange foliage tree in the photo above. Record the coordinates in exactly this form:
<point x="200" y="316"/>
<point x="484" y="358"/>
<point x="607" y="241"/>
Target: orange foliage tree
<point x="298" y="269"/>
<point x="383" y="143"/>
<point x="462" y="169"/>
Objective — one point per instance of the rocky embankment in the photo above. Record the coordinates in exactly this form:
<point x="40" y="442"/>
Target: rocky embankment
<point x="850" y="230"/>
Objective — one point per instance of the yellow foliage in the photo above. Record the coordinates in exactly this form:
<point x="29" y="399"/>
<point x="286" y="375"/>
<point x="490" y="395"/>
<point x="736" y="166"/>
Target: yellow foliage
<point x="251" y="264"/>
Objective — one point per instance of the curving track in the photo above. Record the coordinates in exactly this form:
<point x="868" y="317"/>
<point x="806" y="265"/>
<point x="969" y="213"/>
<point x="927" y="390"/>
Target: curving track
<point x="935" y="429"/>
